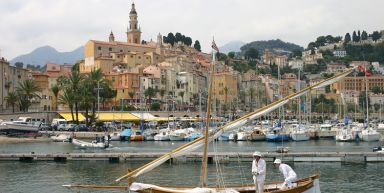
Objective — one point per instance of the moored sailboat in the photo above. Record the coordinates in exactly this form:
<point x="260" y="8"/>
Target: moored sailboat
<point x="307" y="185"/>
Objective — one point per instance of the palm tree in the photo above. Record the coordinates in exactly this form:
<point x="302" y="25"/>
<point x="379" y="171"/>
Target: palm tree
<point x="95" y="78"/>
<point x="67" y="98"/>
<point x="74" y="81"/>
<point x="86" y="98"/>
<point x="150" y="93"/>
<point x="11" y="99"/>
<point x="55" y="89"/>
<point x="131" y="95"/>
<point x="27" y="90"/>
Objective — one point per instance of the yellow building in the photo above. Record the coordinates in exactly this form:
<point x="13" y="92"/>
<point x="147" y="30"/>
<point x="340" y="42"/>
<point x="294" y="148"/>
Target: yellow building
<point x="45" y="102"/>
<point x="225" y="87"/>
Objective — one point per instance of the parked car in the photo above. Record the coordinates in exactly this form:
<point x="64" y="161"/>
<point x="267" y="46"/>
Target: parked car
<point x="61" y="127"/>
<point x="81" y="127"/>
<point x="70" y="127"/>
<point x="45" y="127"/>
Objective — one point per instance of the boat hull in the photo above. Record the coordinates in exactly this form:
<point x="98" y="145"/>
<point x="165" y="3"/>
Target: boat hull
<point x="306" y="185"/>
<point x="277" y="137"/>
<point x="300" y="136"/>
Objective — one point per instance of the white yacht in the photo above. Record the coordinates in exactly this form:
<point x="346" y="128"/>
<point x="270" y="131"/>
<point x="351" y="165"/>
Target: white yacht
<point x="22" y="124"/>
<point x="299" y="133"/>
<point x="163" y="135"/>
<point x="369" y="134"/>
<point x="178" y="135"/>
<point x="325" y="131"/>
<point x="345" y="135"/>
<point x="257" y="135"/>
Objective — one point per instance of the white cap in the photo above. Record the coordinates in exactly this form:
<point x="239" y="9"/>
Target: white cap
<point x="257" y="154"/>
<point x="277" y="161"/>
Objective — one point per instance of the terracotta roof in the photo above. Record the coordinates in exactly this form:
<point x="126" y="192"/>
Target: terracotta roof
<point x="115" y="43"/>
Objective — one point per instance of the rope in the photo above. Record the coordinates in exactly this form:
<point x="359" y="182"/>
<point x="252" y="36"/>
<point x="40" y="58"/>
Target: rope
<point x="241" y="170"/>
<point x="219" y="175"/>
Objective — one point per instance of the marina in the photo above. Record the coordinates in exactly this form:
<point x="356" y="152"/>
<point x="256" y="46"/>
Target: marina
<point x="197" y="156"/>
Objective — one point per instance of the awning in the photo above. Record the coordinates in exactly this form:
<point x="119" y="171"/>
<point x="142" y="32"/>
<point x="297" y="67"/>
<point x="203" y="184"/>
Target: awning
<point x="68" y="116"/>
<point x="112" y="116"/>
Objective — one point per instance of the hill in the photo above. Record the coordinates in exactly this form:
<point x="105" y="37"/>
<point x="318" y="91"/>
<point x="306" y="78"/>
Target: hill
<point x="271" y="45"/>
<point x="47" y="54"/>
<point x="233" y="46"/>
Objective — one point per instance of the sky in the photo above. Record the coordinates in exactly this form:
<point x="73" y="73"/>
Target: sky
<point x="68" y="24"/>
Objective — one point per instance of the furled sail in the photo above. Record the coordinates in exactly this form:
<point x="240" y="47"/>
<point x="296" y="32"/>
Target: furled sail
<point x="193" y="145"/>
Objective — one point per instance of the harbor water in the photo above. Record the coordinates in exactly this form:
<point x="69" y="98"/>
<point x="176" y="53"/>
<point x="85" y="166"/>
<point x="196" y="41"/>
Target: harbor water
<point x="47" y="176"/>
<point x="40" y="177"/>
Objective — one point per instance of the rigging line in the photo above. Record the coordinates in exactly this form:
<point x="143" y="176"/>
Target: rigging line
<point x="219" y="177"/>
<point x="241" y="169"/>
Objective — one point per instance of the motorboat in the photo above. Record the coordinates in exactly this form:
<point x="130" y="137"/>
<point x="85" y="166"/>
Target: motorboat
<point x="325" y="131"/>
<point x="115" y="136"/>
<point x="178" y="135"/>
<point x="61" y="138"/>
<point x="192" y="136"/>
<point x="256" y="135"/>
<point x="137" y="136"/>
<point x="149" y="135"/>
<point x="22" y="124"/>
<point x="125" y="135"/>
<point x="345" y="135"/>
<point x="369" y="134"/>
<point x="299" y="133"/>
<point x="224" y="137"/>
<point x="163" y="135"/>
<point x="93" y="144"/>
<point x="242" y="136"/>
<point x="276" y="135"/>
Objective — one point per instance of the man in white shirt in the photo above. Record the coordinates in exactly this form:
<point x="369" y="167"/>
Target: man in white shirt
<point x="289" y="175"/>
<point x="258" y="171"/>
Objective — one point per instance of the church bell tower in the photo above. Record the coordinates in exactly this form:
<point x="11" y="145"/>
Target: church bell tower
<point x="133" y="31"/>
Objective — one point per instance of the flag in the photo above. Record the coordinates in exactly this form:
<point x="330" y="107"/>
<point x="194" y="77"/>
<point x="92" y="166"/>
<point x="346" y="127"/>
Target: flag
<point x="362" y="69"/>
<point x="214" y="46"/>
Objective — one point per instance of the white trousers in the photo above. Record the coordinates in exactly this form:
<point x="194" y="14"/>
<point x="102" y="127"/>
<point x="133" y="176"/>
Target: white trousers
<point x="289" y="181"/>
<point x="259" y="186"/>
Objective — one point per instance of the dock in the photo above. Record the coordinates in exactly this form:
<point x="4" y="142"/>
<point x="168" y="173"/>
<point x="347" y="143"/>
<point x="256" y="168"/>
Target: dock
<point x="223" y="157"/>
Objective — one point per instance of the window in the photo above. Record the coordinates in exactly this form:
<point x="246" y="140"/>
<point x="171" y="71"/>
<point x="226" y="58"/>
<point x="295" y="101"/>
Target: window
<point x="113" y="79"/>
<point x="99" y="48"/>
<point x="121" y="50"/>
<point x="139" y="57"/>
<point x="110" y="49"/>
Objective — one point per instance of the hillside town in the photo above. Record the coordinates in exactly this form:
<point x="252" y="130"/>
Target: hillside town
<point x="173" y="76"/>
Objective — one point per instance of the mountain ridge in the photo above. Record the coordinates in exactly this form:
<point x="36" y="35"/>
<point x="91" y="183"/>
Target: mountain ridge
<point x="48" y="54"/>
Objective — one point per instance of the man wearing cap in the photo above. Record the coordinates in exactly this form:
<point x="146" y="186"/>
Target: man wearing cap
<point x="289" y="175"/>
<point x="258" y="171"/>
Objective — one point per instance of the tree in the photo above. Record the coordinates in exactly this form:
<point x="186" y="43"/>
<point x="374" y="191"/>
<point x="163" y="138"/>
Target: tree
<point x="19" y="64"/>
<point x="12" y="99"/>
<point x="297" y="53"/>
<point x="150" y="93"/>
<point x="376" y="35"/>
<point x="354" y="37"/>
<point x="170" y="39"/>
<point x="188" y="41"/>
<point x="55" y="90"/>
<point x="155" y="106"/>
<point x="131" y="94"/>
<point x="376" y="89"/>
<point x="178" y="37"/>
<point x="364" y="35"/>
<point x="67" y="98"/>
<point x="347" y="38"/>
<point x="231" y="55"/>
<point x="359" y="35"/>
<point x="26" y="91"/>
<point x="252" y="53"/>
<point x="197" y="45"/>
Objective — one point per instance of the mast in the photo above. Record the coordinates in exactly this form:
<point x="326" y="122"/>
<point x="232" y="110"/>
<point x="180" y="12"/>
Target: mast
<point x="203" y="176"/>
<point x="366" y="94"/>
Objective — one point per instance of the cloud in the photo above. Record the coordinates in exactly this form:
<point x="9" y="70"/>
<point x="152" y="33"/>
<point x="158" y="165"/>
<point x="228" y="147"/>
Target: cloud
<point x="68" y="24"/>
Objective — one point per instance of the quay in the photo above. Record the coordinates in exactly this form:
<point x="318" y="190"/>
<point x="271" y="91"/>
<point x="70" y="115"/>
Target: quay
<point x="223" y="157"/>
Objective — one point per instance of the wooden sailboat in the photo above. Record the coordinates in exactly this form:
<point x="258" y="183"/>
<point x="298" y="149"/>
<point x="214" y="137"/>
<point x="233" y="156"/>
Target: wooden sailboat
<point x="307" y="185"/>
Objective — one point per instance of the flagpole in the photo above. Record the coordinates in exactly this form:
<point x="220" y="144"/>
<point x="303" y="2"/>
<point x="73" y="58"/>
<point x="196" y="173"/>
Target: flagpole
<point x="203" y="176"/>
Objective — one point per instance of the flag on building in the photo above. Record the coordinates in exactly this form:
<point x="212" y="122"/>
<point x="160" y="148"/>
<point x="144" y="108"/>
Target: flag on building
<point x="366" y="72"/>
<point x="214" y="46"/>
